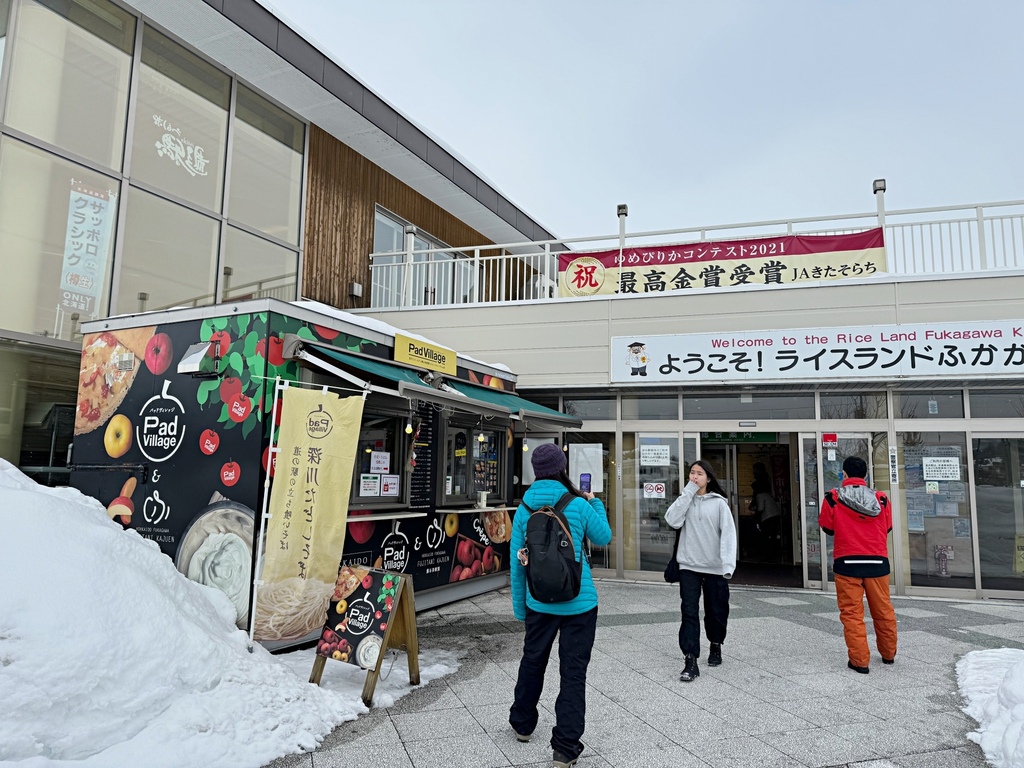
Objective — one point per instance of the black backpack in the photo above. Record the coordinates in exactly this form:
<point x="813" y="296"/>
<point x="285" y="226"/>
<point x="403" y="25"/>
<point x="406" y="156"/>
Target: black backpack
<point x="553" y="573"/>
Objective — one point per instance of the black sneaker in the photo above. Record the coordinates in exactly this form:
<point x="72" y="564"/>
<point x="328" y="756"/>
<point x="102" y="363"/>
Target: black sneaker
<point x="690" y="671"/>
<point x="715" y="655"/>
<point x="558" y="760"/>
<point x="855" y="668"/>
<point x="889" y="661"/>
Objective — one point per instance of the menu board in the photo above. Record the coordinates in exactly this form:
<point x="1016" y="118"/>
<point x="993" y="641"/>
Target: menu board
<point x="421" y="488"/>
<point x="358" y="617"/>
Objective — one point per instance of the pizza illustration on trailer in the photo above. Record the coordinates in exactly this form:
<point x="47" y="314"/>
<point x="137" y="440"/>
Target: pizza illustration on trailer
<point x="110" y="361"/>
<point x="349" y="579"/>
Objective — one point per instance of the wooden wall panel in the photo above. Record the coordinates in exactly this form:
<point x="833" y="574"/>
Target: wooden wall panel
<point x="341" y="193"/>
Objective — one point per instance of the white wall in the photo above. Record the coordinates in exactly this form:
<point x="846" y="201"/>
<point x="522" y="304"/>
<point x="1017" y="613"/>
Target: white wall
<point x="565" y="342"/>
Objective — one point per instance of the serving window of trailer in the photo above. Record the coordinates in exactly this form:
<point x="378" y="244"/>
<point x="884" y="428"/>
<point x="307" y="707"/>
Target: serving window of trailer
<point x="380" y="477"/>
<point x="474" y="459"/>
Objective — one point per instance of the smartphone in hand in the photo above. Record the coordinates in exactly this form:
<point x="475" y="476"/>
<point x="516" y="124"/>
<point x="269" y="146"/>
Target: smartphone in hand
<point x="585" y="482"/>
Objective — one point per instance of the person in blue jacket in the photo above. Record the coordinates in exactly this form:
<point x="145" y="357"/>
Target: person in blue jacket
<point x="575" y="621"/>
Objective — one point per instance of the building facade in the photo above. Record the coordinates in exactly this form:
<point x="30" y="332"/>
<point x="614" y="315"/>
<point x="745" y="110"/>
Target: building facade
<point x="921" y="376"/>
<point x="166" y="154"/>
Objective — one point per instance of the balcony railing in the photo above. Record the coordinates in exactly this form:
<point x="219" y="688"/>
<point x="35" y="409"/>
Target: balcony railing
<point x="946" y="241"/>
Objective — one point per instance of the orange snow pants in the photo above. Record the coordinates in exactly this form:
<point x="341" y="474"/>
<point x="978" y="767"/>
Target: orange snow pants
<point x="850" y="592"/>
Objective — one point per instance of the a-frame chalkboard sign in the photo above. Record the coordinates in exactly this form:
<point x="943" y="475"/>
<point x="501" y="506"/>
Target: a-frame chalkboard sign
<point x="374" y="612"/>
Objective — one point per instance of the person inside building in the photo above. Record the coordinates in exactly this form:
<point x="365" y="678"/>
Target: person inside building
<point x="707" y="559"/>
<point x="573" y="621"/>
<point x="767" y="509"/>
<point x="860" y="519"/>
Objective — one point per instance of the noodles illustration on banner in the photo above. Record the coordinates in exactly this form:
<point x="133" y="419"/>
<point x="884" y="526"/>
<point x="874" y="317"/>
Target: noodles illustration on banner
<point x="308" y="512"/>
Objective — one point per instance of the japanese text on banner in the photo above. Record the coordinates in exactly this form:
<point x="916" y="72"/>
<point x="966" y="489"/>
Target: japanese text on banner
<point x="697" y="266"/>
<point x="308" y="507"/>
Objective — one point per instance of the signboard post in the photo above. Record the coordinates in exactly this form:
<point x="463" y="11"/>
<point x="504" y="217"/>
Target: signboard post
<point x="367" y="620"/>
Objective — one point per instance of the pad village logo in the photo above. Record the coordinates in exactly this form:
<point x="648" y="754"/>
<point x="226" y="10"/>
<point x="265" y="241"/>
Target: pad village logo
<point x="318" y="423"/>
<point x="162" y="426"/>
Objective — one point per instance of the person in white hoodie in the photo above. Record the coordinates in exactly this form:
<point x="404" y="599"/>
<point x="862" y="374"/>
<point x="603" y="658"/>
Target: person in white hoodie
<point x="706" y="553"/>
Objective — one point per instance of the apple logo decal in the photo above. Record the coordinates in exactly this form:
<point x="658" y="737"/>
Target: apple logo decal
<point x="162" y="428"/>
<point x="159" y="352"/>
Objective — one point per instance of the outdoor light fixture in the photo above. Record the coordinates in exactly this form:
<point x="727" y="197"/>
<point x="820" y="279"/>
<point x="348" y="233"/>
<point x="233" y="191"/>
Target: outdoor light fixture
<point x="481" y="438"/>
<point x="878" y="185"/>
<point x="622" y="210"/>
<point x="408" y="427"/>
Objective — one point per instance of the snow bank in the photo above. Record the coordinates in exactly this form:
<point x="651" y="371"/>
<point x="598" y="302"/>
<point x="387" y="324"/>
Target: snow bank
<point x="992" y="682"/>
<point x="109" y="656"/>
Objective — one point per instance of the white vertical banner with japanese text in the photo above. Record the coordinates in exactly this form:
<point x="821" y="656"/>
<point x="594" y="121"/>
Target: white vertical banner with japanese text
<point x="86" y="247"/>
<point x="309" y="499"/>
<point x="976" y="349"/>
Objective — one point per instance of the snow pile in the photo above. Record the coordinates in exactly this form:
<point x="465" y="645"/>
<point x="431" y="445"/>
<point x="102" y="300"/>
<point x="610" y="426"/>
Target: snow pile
<point x="108" y="656"/>
<point x="992" y="682"/>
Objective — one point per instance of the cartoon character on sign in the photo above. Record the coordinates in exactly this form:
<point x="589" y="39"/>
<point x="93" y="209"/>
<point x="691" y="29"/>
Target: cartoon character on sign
<point x="637" y="359"/>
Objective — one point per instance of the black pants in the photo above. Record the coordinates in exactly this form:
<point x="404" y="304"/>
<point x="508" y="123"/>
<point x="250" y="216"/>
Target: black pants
<point x="575" y="642"/>
<point x="716" y="609"/>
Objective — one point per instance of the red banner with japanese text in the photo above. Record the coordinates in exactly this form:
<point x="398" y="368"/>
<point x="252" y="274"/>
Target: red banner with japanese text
<point x="785" y="260"/>
<point x="305" y="534"/>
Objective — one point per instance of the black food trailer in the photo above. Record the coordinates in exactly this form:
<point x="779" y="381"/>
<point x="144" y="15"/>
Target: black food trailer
<point x="179" y="412"/>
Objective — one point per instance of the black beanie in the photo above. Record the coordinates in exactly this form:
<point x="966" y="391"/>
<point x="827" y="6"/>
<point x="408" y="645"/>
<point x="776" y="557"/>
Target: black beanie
<point x="548" y="460"/>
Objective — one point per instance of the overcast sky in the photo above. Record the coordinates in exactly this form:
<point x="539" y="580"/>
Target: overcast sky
<point x="700" y="113"/>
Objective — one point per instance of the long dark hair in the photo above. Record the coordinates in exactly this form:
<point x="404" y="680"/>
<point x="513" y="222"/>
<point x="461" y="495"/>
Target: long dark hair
<point x="713" y="485"/>
<point x="563" y="478"/>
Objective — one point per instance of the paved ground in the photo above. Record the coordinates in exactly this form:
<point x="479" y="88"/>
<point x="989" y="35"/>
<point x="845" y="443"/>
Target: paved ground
<point x="783" y="696"/>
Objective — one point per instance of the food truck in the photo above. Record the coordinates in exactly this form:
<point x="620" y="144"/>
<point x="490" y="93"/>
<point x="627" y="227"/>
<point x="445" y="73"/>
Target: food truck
<point x="177" y="430"/>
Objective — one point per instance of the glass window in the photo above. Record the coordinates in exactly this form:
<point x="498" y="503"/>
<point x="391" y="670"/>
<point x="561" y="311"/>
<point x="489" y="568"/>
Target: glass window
<point x="933" y="405"/>
<point x="38" y="389"/>
<point x="936" y="509"/>
<point x="650" y="407"/>
<point x="266" y="167"/>
<point x="749" y="406"/>
<point x="863" y="405"/>
<point x="387" y="273"/>
<point x="70" y="67"/>
<point x="997" y="404"/>
<point x="57" y="221"/>
<point x="169" y="255"/>
<point x="380" y="461"/>
<point x="591" y="407"/>
<point x="181" y="122"/>
<point x="5" y="13"/>
<point x="999" y="488"/>
<point x="255" y="268"/>
<point x="472" y="462"/>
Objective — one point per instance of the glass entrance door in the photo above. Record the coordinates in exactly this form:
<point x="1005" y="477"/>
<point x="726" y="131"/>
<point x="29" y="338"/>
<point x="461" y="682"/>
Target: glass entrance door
<point x="999" y="491"/>
<point x="650" y="483"/>
<point x="810" y="498"/>
<point x="833" y="454"/>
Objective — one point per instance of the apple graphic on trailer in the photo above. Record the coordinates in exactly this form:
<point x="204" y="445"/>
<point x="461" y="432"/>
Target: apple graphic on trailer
<point x="209" y="442"/>
<point x="230" y="473"/>
<point x="239" y="407"/>
<point x="229" y="386"/>
<point x="117" y="438"/>
<point x="223" y="341"/>
<point x="271" y="350"/>
<point x="159" y="352"/>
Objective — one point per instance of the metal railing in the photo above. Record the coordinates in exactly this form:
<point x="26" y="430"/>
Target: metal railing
<point x="278" y="287"/>
<point x="946" y="241"/>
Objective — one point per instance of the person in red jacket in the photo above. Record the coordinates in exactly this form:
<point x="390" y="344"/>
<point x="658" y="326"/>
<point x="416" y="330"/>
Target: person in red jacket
<point x="860" y="519"/>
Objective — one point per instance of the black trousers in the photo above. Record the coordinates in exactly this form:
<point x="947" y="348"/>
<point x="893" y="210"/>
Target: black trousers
<point x="716" y="609"/>
<point x="575" y="643"/>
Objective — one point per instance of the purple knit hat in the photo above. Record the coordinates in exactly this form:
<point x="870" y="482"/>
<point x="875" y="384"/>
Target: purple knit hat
<point x="548" y="460"/>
